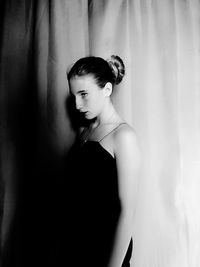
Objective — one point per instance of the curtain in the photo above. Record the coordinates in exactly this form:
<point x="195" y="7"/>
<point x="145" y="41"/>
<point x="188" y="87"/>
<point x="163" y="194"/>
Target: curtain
<point x="159" y="97"/>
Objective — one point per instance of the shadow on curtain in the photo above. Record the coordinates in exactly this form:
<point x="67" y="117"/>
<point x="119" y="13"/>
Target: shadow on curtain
<point x="159" y="42"/>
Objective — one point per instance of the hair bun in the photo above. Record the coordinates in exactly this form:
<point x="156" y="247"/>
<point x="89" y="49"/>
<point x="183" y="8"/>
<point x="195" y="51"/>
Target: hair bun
<point x="117" y="66"/>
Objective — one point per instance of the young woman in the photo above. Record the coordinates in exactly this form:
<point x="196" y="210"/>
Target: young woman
<point x="104" y="165"/>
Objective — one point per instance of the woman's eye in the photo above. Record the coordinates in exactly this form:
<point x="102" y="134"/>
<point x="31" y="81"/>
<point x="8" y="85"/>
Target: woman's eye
<point x="84" y="94"/>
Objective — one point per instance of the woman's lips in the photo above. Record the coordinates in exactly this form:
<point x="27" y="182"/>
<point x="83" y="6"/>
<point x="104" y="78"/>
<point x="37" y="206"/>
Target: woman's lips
<point x="84" y="113"/>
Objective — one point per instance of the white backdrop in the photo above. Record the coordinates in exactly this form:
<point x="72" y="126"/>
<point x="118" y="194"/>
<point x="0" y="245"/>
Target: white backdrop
<point x="159" y="42"/>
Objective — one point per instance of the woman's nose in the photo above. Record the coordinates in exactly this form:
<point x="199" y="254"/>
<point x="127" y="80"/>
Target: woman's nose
<point x="78" y="103"/>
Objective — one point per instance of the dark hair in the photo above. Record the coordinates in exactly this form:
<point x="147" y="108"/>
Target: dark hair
<point x="112" y="70"/>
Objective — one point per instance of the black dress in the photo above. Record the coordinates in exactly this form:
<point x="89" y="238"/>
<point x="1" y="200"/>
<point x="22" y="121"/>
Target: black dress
<point x="94" y="205"/>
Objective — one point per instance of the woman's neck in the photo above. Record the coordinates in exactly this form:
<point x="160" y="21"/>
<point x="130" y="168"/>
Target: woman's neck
<point x="108" y="115"/>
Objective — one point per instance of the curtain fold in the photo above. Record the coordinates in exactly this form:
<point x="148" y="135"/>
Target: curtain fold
<point x="159" y="97"/>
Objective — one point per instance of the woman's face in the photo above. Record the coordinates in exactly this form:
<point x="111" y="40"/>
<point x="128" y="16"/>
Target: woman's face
<point x="89" y="97"/>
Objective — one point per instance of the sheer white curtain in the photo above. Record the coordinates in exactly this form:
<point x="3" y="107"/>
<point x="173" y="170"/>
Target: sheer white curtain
<point x="159" y="42"/>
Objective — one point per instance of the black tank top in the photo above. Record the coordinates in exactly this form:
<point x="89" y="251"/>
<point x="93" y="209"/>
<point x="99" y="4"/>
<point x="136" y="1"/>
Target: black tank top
<point x="94" y="206"/>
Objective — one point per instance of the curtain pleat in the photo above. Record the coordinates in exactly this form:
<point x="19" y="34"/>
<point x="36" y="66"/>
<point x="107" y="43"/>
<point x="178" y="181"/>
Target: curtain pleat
<point x="159" y="97"/>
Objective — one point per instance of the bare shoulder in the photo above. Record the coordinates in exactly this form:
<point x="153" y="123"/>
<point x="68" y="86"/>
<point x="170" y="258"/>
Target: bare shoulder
<point x="125" y="133"/>
<point x="125" y="140"/>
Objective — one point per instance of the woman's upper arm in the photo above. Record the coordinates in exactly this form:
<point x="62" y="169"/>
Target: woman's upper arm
<point x="127" y="156"/>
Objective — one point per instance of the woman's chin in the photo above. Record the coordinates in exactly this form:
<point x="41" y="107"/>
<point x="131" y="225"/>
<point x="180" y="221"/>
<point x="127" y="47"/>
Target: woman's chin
<point x="88" y="115"/>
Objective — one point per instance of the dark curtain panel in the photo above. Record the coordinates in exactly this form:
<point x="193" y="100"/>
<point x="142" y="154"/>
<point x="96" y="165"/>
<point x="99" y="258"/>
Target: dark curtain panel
<point x="30" y="171"/>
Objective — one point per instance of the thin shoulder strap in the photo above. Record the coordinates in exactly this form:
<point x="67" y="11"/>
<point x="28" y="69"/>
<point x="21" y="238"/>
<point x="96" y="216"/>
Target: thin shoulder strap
<point x="115" y="128"/>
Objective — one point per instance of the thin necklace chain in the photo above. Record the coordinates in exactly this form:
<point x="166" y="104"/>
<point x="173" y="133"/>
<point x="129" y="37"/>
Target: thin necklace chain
<point x="108" y="121"/>
<point x="87" y="133"/>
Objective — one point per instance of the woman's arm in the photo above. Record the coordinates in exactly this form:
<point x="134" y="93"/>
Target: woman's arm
<point x="128" y="161"/>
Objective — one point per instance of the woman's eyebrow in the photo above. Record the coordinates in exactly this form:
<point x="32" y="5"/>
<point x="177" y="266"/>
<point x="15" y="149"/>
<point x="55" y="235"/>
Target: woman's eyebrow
<point x="81" y="91"/>
<point x="78" y="92"/>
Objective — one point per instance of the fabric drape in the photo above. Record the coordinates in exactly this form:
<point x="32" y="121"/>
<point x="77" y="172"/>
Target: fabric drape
<point x="159" y="42"/>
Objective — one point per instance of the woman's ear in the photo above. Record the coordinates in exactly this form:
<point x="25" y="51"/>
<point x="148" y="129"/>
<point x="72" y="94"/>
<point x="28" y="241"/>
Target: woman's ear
<point x="108" y="89"/>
